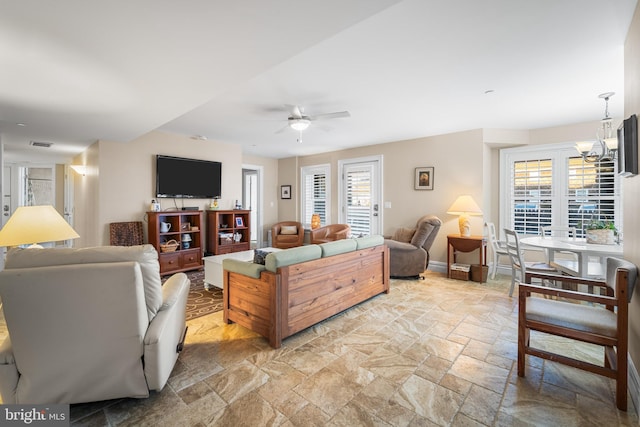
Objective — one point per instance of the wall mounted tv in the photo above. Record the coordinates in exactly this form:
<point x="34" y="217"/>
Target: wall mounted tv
<point x="187" y="178"/>
<point x="628" y="147"/>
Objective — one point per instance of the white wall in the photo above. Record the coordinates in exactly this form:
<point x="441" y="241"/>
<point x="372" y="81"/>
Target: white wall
<point x="631" y="186"/>
<point x="120" y="183"/>
<point x="458" y="162"/>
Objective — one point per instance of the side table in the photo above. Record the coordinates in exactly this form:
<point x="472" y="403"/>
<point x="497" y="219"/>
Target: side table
<point x="458" y="243"/>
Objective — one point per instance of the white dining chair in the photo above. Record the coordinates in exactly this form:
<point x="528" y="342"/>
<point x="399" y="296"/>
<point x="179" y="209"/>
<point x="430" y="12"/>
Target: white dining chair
<point x="498" y="247"/>
<point x="519" y="267"/>
<point x="560" y="232"/>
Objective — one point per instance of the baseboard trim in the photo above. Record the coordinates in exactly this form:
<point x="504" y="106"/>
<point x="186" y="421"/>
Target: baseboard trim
<point x="438" y="266"/>
<point x="633" y="383"/>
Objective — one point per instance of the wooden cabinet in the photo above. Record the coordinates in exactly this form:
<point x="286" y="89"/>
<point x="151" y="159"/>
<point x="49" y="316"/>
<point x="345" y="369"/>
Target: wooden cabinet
<point x="185" y="227"/>
<point x="228" y="231"/>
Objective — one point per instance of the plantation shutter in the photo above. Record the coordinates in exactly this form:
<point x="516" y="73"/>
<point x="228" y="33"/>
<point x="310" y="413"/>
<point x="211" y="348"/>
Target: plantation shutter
<point x="591" y="192"/>
<point x="358" y="199"/>
<point x="531" y="182"/>
<point x="315" y="197"/>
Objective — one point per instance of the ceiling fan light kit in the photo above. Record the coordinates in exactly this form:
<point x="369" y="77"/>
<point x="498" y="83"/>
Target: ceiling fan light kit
<point x="299" y="124"/>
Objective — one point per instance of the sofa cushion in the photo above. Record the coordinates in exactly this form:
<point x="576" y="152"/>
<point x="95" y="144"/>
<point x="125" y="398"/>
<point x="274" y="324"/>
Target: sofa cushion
<point x="242" y="267"/>
<point x="291" y="256"/>
<point x="404" y="234"/>
<point x="369" y="242"/>
<point x="145" y="255"/>
<point x="288" y="229"/>
<point x="338" y="247"/>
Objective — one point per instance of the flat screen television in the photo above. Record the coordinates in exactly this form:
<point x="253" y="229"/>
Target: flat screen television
<point x="628" y="147"/>
<point x="177" y="177"/>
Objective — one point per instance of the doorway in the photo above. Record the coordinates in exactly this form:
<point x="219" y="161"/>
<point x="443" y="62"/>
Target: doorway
<point x="252" y="199"/>
<point x="33" y="185"/>
<point x="360" y="193"/>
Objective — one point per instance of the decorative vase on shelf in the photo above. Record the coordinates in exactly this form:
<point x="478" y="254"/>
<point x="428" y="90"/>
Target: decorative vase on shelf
<point x="186" y="241"/>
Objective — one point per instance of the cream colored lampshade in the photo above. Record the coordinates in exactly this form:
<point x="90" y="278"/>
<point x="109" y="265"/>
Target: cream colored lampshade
<point x="464" y="206"/>
<point x="35" y="224"/>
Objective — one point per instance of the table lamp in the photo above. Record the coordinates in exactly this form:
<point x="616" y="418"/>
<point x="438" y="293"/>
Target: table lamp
<point x="30" y="225"/>
<point x="464" y="206"/>
<point x="315" y="221"/>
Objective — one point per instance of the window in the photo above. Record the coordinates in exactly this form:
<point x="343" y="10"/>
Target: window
<point x="315" y="193"/>
<point x="592" y="192"/>
<point x="553" y="185"/>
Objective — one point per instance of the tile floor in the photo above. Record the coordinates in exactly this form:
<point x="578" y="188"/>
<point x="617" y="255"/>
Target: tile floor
<point x="433" y="352"/>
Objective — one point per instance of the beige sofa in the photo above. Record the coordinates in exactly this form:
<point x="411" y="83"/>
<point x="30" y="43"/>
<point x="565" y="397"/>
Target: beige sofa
<point x="299" y="287"/>
<point x="88" y="324"/>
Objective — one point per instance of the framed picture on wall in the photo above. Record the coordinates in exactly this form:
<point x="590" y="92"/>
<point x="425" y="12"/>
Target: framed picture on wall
<point x="424" y="178"/>
<point x="285" y="191"/>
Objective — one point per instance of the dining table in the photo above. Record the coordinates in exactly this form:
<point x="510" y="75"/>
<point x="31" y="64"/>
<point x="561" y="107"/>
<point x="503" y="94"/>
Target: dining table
<point x="581" y="265"/>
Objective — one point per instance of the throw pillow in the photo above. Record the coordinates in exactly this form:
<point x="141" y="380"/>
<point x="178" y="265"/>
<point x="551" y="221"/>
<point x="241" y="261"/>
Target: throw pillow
<point x="289" y="229"/>
<point x="404" y="234"/>
<point x="259" y="256"/>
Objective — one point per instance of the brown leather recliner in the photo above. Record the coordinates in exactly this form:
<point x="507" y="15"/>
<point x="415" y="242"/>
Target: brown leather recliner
<point x="287" y="239"/>
<point x="329" y="233"/>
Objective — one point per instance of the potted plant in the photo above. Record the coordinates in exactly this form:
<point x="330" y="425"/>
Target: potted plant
<point x="601" y="232"/>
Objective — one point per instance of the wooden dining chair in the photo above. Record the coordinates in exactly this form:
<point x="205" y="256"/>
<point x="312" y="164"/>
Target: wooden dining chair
<point x="519" y="267"/>
<point x="596" y="319"/>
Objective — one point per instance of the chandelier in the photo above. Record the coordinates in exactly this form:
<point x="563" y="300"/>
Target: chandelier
<point x="606" y="146"/>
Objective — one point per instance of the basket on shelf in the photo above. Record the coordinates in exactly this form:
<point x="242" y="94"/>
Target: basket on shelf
<point x="169" y="246"/>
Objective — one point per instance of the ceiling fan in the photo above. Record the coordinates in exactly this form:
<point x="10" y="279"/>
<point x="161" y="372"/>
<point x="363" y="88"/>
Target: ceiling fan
<point x="298" y="121"/>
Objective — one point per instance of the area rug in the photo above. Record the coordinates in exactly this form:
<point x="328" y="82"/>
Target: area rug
<point x="201" y="301"/>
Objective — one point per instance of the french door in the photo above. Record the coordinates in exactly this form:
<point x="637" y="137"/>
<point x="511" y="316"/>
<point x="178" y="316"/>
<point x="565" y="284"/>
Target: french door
<point x="360" y="195"/>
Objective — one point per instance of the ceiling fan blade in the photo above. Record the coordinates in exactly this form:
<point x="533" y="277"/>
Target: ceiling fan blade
<point x="335" y="115"/>
<point x="282" y="129"/>
<point x="296" y="112"/>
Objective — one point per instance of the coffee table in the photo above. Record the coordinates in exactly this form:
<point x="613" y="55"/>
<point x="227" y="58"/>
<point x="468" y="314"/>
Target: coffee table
<point x="213" y="265"/>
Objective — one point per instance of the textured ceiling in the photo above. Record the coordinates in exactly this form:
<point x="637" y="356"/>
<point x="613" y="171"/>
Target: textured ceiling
<point x="78" y="71"/>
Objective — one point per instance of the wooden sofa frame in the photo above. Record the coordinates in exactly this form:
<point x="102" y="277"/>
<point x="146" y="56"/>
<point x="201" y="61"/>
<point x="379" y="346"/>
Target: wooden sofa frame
<point x="280" y="304"/>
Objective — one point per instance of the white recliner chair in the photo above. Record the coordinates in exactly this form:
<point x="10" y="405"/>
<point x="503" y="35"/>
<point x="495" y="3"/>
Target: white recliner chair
<point x="88" y="324"/>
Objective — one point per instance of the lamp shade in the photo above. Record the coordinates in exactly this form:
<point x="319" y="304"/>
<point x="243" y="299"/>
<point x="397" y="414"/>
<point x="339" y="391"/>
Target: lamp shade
<point x="464" y="206"/>
<point x="584" y="147"/>
<point x="35" y="224"/>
